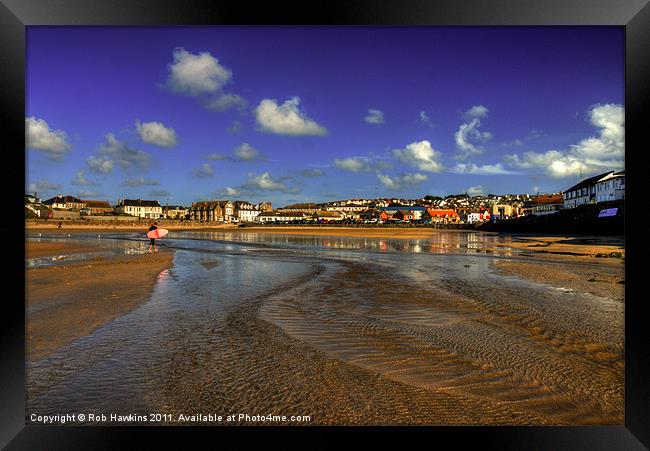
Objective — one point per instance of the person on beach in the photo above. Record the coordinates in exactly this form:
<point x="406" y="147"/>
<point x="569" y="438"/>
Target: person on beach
<point x="152" y="241"/>
<point x="58" y="226"/>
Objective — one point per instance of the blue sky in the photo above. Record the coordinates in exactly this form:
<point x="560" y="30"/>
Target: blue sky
<point x="320" y="113"/>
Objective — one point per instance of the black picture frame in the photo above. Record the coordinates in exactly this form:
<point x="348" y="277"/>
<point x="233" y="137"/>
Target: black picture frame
<point x="634" y="15"/>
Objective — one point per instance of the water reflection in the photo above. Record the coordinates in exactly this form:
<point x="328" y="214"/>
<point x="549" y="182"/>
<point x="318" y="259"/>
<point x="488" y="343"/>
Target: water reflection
<point x="437" y="243"/>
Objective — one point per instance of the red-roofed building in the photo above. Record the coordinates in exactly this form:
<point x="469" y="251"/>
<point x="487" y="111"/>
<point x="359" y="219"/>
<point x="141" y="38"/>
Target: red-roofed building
<point x="545" y="204"/>
<point x="440" y="215"/>
<point x="404" y="215"/>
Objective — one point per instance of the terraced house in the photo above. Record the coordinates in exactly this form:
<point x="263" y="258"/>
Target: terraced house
<point x="149" y="209"/>
<point x="245" y="211"/>
<point x="212" y="211"/>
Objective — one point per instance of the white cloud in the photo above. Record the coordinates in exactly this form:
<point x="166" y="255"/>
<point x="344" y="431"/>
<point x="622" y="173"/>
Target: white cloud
<point x="80" y="179"/>
<point x="39" y="136"/>
<point x="266" y="182"/>
<point x="140" y="181"/>
<point x="401" y="181"/>
<point x="421" y="155"/>
<point x="475" y="190"/>
<point x="361" y="164"/>
<point x="227" y="101"/>
<point x="118" y="152"/>
<point x="204" y="171"/>
<point x="100" y="164"/>
<point x="469" y="136"/>
<point x="286" y="119"/>
<point x="246" y="152"/>
<point x="374" y="117"/>
<point x="43" y="186"/>
<point x="589" y="156"/>
<point x="84" y="194"/>
<point x="228" y="191"/>
<point x="156" y="133"/>
<point x="476" y="111"/>
<point x="486" y="169"/>
<point x="243" y="152"/>
<point x="424" y="117"/>
<point x="311" y="173"/>
<point x="195" y="74"/>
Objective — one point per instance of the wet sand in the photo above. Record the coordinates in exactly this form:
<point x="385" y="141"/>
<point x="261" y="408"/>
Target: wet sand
<point x="35" y="249"/>
<point x="398" y="338"/>
<point x="571" y="246"/>
<point x="70" y="301"/>
<point x="606" y="279"/>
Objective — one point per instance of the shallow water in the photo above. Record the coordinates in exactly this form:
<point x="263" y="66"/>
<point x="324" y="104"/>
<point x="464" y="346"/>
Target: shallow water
<point x="240" y="313"/>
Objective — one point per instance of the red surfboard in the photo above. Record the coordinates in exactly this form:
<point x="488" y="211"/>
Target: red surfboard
<point x="157" y="233"/>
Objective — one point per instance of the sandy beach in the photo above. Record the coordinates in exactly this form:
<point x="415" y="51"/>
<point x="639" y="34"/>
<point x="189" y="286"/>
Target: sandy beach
<point x="379" y="339"/>
<point x="35" y="250"/>
<point x="70" y="301"/>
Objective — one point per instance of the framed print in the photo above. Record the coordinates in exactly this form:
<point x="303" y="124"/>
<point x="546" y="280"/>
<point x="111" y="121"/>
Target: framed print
<point x="367" y="214"/>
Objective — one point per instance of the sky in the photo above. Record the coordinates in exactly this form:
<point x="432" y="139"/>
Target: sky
<point x="313" y="114"/>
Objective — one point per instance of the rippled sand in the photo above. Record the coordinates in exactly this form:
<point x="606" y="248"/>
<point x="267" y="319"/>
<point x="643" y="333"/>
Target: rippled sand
<point x="358" y="338"/>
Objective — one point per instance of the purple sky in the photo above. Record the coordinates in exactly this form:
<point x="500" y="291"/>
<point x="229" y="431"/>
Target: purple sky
<point x="320" y="113"/>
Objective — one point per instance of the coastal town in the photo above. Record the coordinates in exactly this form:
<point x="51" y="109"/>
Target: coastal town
<point x="448" y="210"/>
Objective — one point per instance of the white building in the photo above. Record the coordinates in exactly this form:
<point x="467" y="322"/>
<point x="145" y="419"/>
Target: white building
<point x="279" y="216"/>
<point x="477" y="216"/>
<point x="585" y="191"/>
<point x="149" y="209"/>
<point x="245" y="211"/>
<point x="611" y="187"/>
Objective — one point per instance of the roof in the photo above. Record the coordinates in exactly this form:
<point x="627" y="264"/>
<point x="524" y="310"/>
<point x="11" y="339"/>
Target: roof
<point x="97" y="203"/>
<point x="210" y="203"/>
<point x="242" y="203"/>
<point x="588" y="182"/>
<point x="441" y="212"/>
<point x="174" y="207"/>
<point x="140" y="203"/>
<point x="62" y="200"/>
<point x="548" y="199"/>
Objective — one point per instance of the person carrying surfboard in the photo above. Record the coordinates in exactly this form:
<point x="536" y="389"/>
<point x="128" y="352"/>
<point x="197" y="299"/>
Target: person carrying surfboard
<point x="152" y="241"/>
